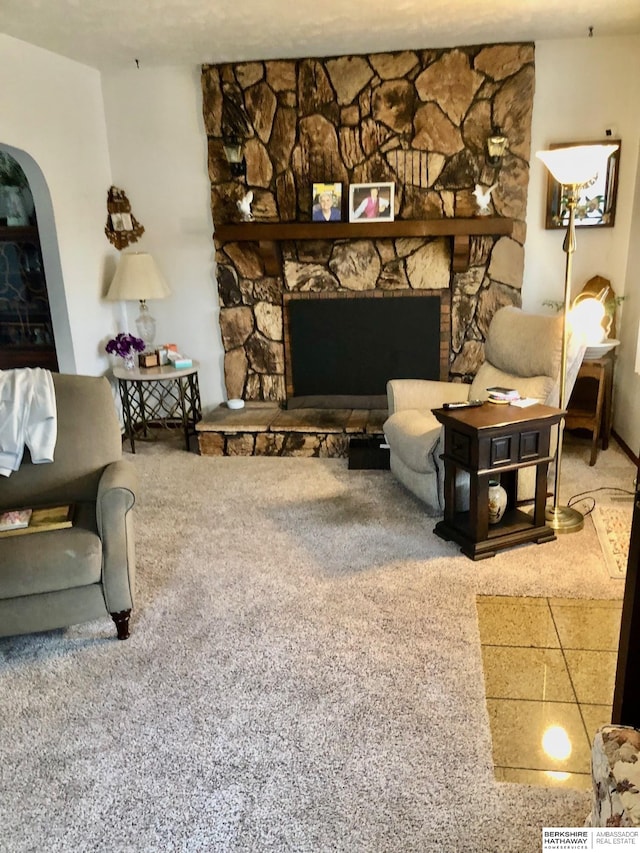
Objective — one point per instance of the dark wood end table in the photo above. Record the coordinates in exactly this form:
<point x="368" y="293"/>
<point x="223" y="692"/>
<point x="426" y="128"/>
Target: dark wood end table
<point x="495" y="442"/>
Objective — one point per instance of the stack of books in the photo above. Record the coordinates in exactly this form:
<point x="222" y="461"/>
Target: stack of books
<point x="497" y="394"/>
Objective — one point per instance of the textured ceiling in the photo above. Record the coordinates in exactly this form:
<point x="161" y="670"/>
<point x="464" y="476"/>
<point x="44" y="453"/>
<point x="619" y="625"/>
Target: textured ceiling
<point x="177" y="32"/>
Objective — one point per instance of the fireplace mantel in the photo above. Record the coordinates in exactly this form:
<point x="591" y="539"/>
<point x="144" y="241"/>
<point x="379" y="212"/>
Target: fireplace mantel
<point x="269" y="234"/>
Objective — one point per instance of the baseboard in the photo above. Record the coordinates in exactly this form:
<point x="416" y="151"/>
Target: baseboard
<point x="624" y="446"/>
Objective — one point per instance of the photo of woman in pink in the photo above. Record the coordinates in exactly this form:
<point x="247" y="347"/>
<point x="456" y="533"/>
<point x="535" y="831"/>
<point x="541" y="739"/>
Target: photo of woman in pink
<point x="371" y="202"/>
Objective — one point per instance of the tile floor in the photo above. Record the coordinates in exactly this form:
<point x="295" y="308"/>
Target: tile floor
<point x="549" y="670"/>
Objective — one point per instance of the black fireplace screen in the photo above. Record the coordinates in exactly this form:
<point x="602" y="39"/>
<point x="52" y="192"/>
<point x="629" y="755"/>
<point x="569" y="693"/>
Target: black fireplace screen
<point x="350" y="345"/>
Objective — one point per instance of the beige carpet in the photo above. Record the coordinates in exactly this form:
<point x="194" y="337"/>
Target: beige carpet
<point x="304" y="674"/>
<point x="613" y="527"/>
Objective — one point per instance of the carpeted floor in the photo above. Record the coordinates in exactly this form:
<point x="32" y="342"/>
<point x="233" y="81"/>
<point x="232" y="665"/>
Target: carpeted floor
<point x="304" y="674"/>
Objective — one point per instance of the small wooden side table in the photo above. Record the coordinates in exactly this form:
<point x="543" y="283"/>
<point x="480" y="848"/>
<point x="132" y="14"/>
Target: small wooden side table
<point x="495" y="442"/>
<point x="159" y="396"/>
<point x="591" y="403"/>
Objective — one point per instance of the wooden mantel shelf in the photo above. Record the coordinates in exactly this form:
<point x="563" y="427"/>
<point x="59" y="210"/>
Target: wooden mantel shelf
<point x="269" y="234"/>
<point x="473" y="226"/>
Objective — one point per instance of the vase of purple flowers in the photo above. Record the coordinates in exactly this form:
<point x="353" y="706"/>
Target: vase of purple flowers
<point x="125" y="346"/>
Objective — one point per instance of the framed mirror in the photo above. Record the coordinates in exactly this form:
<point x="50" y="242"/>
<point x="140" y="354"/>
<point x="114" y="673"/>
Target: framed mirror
<point x="596" y="206"/>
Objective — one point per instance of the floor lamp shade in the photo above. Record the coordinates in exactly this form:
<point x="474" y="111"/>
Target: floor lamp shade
<point x="576" y="164"/>
<point x="138" y="277"/>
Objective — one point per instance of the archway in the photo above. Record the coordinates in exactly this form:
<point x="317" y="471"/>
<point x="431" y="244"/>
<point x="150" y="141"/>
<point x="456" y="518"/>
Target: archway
<point x="46" y="240"/>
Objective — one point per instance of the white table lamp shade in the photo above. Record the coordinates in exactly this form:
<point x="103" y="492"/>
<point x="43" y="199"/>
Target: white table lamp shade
<point x="138" y="277"/>
<point x="585" y="320"/>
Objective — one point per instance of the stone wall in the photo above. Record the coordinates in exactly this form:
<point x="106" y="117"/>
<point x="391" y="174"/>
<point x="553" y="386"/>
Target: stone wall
<point x="417" y="118"/>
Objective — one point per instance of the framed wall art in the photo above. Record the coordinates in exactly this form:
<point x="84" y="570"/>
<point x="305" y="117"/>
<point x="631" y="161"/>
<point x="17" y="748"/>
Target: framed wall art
<point x="596" y="206"/>
<point x="121" y="222"/>
<point x="327" y="202"/>
<point x="371" y="202"/>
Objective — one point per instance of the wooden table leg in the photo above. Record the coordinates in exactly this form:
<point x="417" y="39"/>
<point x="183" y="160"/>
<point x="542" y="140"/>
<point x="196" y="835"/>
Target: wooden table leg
<point x="597" y="424"/>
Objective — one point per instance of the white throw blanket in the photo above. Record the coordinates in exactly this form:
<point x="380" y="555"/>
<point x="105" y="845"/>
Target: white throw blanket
<point x="27" y="417"/>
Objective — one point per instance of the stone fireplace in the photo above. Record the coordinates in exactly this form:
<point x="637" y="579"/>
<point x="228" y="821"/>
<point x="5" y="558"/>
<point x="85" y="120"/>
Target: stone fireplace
<point x="359" y="119"/>
<point x="419" y="119"/>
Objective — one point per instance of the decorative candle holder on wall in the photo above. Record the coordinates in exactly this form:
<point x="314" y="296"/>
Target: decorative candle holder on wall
<point x="411" y="167"/>
<point x="236" y="129"/>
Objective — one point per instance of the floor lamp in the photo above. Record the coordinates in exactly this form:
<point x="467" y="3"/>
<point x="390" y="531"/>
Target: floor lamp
<point x="572" y="167"/>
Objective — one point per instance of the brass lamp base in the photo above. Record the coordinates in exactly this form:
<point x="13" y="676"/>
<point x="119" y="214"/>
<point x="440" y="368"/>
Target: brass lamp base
<point x="563" y="519"/>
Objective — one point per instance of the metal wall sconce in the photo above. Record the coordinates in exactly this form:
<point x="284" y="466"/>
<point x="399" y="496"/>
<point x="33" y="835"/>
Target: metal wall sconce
<point x="234" y="152"/>
<point x="497" y="144"/>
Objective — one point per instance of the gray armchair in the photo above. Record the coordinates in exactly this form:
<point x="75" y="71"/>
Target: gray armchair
<point x="51" y="579"/>
<point x="522" y="351"/>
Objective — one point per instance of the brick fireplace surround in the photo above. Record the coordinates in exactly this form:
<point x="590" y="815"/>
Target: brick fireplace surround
<point x="419" y="119"/>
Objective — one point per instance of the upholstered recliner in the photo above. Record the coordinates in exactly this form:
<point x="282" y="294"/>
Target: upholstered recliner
<point x="522" y="351"/>
<point x="52" y="579"/>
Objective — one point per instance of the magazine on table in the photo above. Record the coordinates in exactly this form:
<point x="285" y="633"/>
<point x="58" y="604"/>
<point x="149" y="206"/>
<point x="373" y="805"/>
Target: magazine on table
<point x="524" y="402"/>
<point x="17" y="522"/>
<point x="15" y="519"/>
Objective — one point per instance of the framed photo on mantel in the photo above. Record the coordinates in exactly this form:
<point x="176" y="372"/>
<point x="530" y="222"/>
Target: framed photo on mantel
<point x="371" y="202"/>
<point x="327" y="202"/>
<point x="596" y="206"/>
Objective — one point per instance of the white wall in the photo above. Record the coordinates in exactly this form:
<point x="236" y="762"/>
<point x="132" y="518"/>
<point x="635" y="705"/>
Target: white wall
<point x="158" y="151"/>
<point x="627" y="402"/>
<point x="52" y="118"/>
<point x="583" y="86"/>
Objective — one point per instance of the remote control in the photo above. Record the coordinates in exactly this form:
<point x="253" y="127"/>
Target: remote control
<point x="463" y="404"/>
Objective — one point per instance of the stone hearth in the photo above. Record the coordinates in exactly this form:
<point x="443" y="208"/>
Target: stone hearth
<point x="264" y="429"/>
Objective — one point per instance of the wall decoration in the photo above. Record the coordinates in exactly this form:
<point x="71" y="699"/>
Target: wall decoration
<point x="327" y="202"/>
<point x="121" y="221"/>
<point x="597" y="201"/>
<point x="371" y="202"/>
<point x="244" y="206"/>
<point x="483" y="198"/>
<point x="122" y="227"/>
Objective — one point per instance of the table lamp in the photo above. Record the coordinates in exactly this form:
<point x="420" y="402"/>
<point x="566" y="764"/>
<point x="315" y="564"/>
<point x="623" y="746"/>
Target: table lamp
<point x="138" y="277"/>
<point x="586" y="320"/>
<point x="572" y="167"/>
